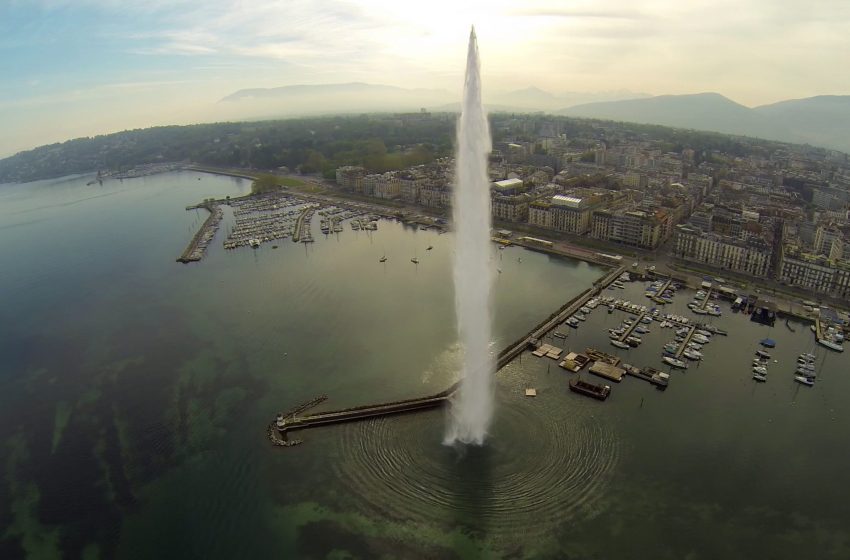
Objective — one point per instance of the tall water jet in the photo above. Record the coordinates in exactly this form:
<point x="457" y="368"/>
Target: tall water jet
<point x="472" y="406"/>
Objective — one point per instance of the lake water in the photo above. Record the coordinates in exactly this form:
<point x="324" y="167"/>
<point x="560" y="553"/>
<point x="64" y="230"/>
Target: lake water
<point x="135" y="393"/>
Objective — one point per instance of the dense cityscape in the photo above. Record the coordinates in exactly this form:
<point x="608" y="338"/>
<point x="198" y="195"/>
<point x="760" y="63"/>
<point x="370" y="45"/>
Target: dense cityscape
<point x="777" y="211"/>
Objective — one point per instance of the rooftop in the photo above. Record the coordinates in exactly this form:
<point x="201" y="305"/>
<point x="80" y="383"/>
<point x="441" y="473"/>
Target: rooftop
<point x="567" y="201"/>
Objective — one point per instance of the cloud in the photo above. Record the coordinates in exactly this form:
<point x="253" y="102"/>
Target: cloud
<point x="755" y="52"/>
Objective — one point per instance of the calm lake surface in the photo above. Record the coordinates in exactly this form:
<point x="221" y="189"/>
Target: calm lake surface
<point x="135" y="394"/>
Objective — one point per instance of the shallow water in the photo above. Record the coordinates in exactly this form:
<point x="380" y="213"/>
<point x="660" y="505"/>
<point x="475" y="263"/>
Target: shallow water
<point x="135" y="391"/>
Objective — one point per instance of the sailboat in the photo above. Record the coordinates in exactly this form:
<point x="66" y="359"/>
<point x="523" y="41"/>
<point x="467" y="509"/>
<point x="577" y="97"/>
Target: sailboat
<point x="414" y="260"/>
<point x="383" y="259"/>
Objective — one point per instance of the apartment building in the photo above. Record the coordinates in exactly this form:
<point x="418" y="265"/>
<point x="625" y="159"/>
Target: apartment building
<point x="747" y="255"/>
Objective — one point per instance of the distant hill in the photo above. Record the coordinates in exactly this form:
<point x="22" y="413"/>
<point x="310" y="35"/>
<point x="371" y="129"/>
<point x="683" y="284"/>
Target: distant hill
<point x="821" y="121"/>
<point x="362" y="97"/>
<point x="539" y="100"/>
<point x="353" y="97"/>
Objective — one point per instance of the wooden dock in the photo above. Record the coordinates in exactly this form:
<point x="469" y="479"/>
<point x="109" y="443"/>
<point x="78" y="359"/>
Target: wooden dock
<point x="654" y="376"/>
<point x="685" y="342"/>
<point x="657" y="299"/>
<point x="632" y="327"/>
<point x="607" y="371"/>
<point x="706" y="299"/>
<point x="600" y="356"/>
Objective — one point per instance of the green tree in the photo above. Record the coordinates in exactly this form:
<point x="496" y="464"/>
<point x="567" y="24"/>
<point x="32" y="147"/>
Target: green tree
<point x="265" y="183"/>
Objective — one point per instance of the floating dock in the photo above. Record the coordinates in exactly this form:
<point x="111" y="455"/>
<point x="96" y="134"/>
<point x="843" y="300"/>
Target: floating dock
<point x="600" y="356"/>
<point x="654" y="376"/>
<point x="607" y="371"/>
<point x="574" y="362"/>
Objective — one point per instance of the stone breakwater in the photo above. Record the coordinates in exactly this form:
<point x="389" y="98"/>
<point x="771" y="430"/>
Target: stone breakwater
<point x="204" y="236"/>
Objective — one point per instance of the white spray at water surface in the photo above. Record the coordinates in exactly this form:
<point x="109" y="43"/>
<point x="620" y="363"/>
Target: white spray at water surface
<point x="472" y="406"/>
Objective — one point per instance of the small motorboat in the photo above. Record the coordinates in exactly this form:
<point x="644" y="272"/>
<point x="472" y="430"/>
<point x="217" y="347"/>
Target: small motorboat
<point x="804" y="380"/>
<point x="675" y="362"/>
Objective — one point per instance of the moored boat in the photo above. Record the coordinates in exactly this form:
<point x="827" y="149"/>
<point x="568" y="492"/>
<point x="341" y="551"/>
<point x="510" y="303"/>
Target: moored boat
<point x="600" y="392"/>
<point x="620" y="344"/>
<point x="675" y="362"/>
<point x="831" y="344"/>
<point x="692" y="354"/>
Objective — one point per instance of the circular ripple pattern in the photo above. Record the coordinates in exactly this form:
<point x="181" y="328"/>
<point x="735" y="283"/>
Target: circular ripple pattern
<point x="542" y="466"/>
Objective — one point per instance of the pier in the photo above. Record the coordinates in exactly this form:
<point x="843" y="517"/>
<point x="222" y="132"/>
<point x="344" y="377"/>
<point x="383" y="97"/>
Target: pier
<point x="202" y="238"/>
<point x="632" y="327"/>
<point x="685" y="342"/>
<point x="302" y="233"/>
<point x="295" y="420"/>
<point x="365" y="412"/>
<point x="657" y="299"/>
<point x="654" y="376"/>
<point x="706" y="299"/>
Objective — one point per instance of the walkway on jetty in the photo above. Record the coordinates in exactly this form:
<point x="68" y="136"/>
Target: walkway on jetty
<point x="202" y="238"/>
<point x="632" y="327"/>
<point x="685" y="342"/>
<point x="294" y="420"/>
<point x="290" y="423"/>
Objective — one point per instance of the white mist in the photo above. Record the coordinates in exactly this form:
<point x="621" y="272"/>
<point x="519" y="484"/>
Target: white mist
<point x="472" y="406"/>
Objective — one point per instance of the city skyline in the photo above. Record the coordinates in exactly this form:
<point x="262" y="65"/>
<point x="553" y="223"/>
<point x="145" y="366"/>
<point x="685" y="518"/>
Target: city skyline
<point x="84" y="68"/>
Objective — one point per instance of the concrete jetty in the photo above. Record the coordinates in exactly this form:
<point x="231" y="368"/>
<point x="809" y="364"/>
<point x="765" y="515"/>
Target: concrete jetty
<point x="202" y="238"/>
<point x="365" y="412"/>
<point x="296" y="421"/>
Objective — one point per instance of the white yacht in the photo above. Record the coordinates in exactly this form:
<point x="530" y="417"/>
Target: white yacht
<point x="674" y="362"/>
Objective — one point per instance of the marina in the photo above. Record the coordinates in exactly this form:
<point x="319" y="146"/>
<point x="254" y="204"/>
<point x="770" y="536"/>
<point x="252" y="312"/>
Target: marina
<point x="691" y="336"/>
<point x="269" y="217"/>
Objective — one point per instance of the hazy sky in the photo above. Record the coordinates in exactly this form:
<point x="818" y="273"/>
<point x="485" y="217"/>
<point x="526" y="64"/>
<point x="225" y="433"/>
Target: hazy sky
<point x="81" y="67"/>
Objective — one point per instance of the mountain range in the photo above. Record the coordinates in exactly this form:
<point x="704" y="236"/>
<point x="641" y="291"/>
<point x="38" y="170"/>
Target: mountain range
<point x="821" y="121"/>
<point x="362" y="97"/>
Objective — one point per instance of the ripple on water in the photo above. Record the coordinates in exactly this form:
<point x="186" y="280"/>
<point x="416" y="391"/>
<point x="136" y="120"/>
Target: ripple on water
<point x="545" y="464"/>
